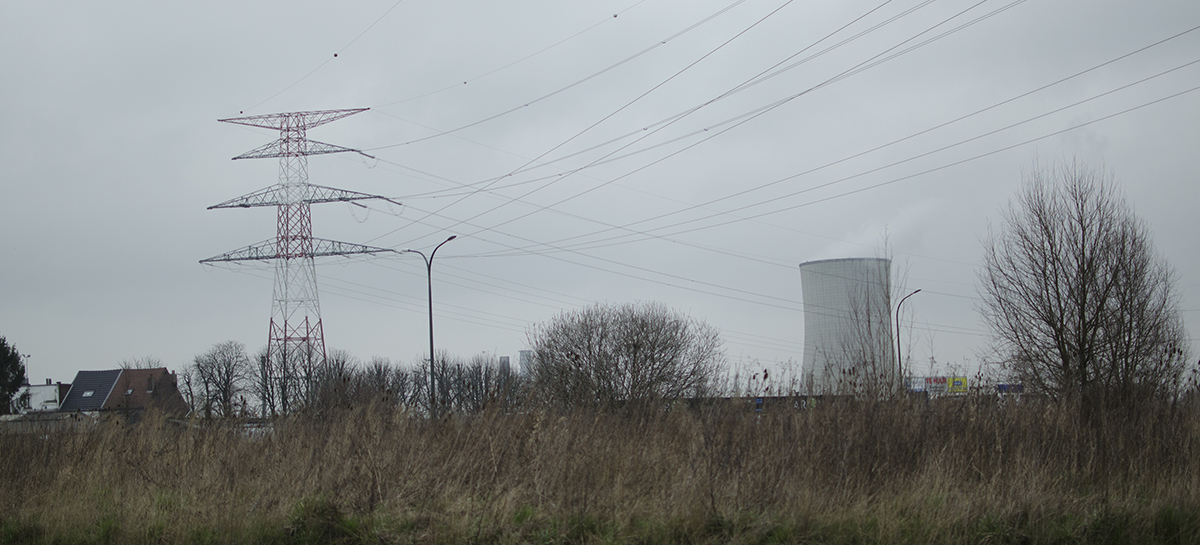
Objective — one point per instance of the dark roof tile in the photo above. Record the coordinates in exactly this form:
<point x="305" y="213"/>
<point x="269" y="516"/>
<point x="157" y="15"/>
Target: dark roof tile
<point x="98" y="383"/>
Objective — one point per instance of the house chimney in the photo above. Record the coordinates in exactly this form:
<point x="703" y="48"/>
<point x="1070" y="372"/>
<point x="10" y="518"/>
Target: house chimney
<point x="47" y="382"/>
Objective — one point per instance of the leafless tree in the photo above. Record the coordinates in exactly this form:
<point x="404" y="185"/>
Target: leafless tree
<point x="264" y="384"/>
<point x="601" y="356"/>
<point x="285" y="381"/>
<point x="220" y="373"/>
<point x="373" y="383"/>
<point x="145" y="362"/>
<point x="408" y="386"/>
<point x="471" y="386"/>
<point x="868" y="365"/>
<point x="1076" y="298"/>
<point x="328" y="386"/>
<point x="188" y="388"/>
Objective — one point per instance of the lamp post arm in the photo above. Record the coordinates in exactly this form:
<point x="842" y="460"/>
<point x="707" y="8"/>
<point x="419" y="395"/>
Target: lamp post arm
<point x="429" y="262"/>
<point x="899" y="358"/>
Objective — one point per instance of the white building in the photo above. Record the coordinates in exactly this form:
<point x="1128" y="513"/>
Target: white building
<point x="39" y="397"/>
<point x="847" y="325"/>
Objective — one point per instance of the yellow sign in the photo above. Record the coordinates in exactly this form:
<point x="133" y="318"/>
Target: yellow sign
<point x="956" y="385"/>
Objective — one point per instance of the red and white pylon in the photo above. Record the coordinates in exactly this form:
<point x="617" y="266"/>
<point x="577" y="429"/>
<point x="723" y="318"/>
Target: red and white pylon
<point x="296" y="332"/>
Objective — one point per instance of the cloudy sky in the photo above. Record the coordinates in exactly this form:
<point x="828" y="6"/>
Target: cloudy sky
<point x="692" y="153"/>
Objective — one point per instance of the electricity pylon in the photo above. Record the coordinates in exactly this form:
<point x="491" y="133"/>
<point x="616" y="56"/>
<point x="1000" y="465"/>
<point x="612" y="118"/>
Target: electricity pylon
<point x="296" y="333"/>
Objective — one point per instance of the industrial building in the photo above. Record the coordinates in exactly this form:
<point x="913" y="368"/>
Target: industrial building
<point x="848" y="343"/>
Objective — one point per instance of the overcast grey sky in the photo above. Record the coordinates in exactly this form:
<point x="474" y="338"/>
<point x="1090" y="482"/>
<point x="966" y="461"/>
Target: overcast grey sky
<point x="110" y="152"/>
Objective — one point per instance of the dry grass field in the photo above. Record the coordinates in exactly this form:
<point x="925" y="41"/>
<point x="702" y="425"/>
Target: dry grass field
<point x="965" y="470"/>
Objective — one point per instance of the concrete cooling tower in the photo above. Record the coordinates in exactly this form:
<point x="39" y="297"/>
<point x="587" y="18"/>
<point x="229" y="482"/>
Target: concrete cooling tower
<point x="847" y="325"/>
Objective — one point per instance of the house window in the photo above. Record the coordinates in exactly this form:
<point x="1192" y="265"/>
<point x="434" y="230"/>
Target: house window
<point x="88" y="393"/>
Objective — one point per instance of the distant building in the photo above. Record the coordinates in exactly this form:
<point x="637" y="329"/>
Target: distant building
<point x="847" y="325"/>
<point x="125" y="390"/>
<point x="39" y="397"/>
<point x="526" y="362"/>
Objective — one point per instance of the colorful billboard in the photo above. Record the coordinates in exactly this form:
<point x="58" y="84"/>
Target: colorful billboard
<point x="939" y="385"/>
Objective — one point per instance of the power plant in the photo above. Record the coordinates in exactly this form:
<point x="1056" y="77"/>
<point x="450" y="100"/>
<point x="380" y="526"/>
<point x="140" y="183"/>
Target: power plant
<point x="847" y="325"/>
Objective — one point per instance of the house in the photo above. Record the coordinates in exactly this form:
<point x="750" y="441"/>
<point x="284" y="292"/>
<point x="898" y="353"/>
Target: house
<point x="39" y="397"/>
<point x="128" y="390"/>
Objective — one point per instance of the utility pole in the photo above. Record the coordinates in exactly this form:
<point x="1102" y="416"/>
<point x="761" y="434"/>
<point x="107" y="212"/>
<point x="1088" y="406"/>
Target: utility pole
<point x="296" y="332"/>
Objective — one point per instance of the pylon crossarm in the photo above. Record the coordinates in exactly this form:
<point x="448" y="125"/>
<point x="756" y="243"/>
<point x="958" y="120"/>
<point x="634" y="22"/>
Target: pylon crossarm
<point x="268" y="250"/>
<point x="263" y="197"/>
<point x="280" y="148"/>
<point x="323" y="247"/>
<point x="293" y="120"/>
<point x="274" y="196"/>
<point x="261" y="251"/>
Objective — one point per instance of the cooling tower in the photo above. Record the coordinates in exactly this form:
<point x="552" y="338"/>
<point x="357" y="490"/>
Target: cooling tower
<point x="847" y="325"/>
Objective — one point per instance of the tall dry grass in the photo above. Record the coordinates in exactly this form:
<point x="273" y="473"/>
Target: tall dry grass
<point x="958" y="470"/>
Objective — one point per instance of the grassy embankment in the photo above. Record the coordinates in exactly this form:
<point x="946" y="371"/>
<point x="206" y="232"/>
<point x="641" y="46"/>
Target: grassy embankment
<point x="958" y="471"/>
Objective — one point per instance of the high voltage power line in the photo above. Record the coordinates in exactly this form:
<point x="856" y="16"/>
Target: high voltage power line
<point x="535" y="160"/>
<point x="877" y="185"/>
<point x="447" y="88"/>
<point x="1095" y="120"/>
<point x="639" y="97"/>
<point x="522" y="59"/>
<point x="781" y="302"/>
<point x="628" y="227"/>
<point x="632" y="232"/>
<point x="577" y="83"/>
<point x="862" y="66"/>
<point x="649" y="233"/>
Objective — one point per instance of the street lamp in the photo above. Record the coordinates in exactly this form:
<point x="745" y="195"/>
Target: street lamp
<point x="429" y="271"/>
<point x="899" y="361"/>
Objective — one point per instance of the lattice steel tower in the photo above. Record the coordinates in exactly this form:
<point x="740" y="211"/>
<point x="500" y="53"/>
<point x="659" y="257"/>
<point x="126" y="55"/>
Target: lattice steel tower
<point x="296" y="333"/>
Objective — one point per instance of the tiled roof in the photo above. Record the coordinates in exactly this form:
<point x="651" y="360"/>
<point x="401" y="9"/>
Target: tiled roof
<point x="125" y="389"/>
<point x="143" y="388"/>
<point x="89" y="390"/>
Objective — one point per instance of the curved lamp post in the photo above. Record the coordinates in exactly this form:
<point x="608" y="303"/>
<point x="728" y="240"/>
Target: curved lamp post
<point x="899" y="360"/>
<point x="429" y="272"/>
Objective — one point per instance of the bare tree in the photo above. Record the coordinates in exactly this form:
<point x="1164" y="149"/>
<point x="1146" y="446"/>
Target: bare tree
<point x="328" y="386"/>
<point x="868" y="366"/>
<point x="473" y="385"/>
<point x="220" y="373"/>
<point x="1076" y="298"/>
<point x="408" y="386"/>
<point x="605" y="355"/>
<point x="283" y="381"/>
<point x="188" y="388"/>
<point x="374" y="383"/>
<point x="264" y="384"/>
<point x="145" y="362"/>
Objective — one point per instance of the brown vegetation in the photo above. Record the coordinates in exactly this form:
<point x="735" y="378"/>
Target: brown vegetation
<point x="954" y="470"/>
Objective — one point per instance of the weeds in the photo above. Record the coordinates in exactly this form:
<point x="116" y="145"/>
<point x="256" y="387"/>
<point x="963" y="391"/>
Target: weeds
<point x="958" y="470"/>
